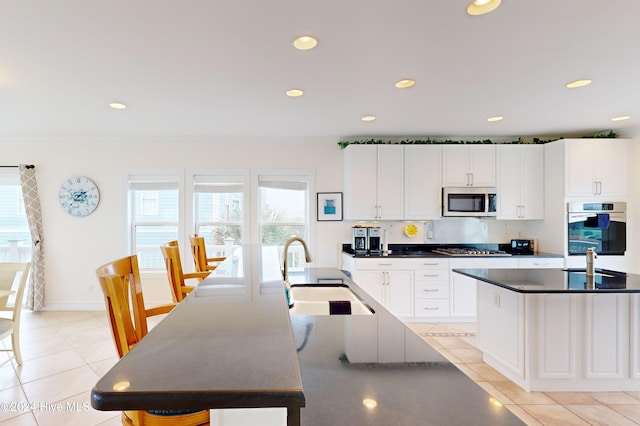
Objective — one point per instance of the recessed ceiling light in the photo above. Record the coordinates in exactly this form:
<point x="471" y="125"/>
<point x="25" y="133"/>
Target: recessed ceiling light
<point x="480" y="7"/>
<point x="578" y="83"/>
<point x="495" y="118"/>
<point x="305" y="42"/>
<point x="621" y="118"/>
<point x="117" y="105"/>
<point x="294" y="93"/>
<point x="370" y="403"/>
<point x="368" y="118"/>
<point x="403" y="84"/>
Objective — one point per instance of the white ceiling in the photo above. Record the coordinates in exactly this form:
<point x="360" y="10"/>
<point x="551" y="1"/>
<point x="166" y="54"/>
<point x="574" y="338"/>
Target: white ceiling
<point x="220" y="68"/>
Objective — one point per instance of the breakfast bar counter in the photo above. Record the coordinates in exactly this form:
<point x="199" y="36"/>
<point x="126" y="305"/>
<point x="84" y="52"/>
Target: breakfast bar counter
<point x="232" y="343"/>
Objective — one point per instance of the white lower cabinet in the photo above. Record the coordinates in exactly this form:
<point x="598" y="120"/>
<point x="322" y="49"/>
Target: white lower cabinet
<point x="388" y="281"/>
<point x="560" y="342"/>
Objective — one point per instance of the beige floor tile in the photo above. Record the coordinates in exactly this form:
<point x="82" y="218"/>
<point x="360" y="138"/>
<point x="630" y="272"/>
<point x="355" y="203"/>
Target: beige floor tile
<point x="452" y="342"/>
<point x="61" y="317"/>
<point x="115" y="421"/>
<point x="600" y="415"/>
<point x="636" y="395"/>
<point x="449" y="356"/>
<point x="14" y="402"/>
<point x="464" y="327"/>
<point x="97" y="351"/>
<point x="470" y="355"/>
<point x="89" y="323"/>
<point x="496" y="393"/>
<point x="102" y="367"/>
<point x="520" y="396"/>
<point x="37" y="349"/>
<point x="432" y="341"/>
<point x="609" y="398"/>
<point x="632" y="412"/>
<point x="8" y="377"/>
<point x="61" y="386"/>
<point x="572" y="398"/>
<point x="74" y="411"/>
<point x="88" y="337"/>
<point x="485" y="372"/>
<point x="37" y="334"/>
<point x="49" y="365"/>
<point x="25" y="419"/>
<point x="553" y="415"/>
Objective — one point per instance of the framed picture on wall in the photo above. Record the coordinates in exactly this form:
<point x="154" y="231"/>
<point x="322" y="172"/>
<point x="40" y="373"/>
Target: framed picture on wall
<point x="329" y="206"/>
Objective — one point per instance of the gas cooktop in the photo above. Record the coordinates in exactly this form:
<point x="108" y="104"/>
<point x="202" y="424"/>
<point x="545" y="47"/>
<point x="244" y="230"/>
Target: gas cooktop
<point x="470" y="252"/>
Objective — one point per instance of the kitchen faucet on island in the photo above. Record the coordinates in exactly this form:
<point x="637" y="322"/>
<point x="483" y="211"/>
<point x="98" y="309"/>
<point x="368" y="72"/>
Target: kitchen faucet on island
<point x="285" y="268"/>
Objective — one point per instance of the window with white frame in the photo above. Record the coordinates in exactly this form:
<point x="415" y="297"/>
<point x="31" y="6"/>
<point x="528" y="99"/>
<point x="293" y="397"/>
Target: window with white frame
<point x="154" y="216"/>
<point x="219" y="211"/>
<point x="15" y="237"/>
<point x="284" y="202"/>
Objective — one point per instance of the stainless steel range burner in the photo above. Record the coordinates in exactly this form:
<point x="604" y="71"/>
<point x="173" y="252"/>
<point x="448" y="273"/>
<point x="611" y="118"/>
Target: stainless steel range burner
<point x="470" y="252"/>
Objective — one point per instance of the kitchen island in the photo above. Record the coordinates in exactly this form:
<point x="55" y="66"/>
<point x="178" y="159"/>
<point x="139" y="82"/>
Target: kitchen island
<point x="559" y="329"/>
<point x="367" y="369"/>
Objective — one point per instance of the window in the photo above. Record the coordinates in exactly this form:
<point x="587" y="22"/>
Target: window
<point x="284" y="203"/>
<point x="15" y="237"/>
<point x="219" y="211"/>
<point x="154" y="216"/>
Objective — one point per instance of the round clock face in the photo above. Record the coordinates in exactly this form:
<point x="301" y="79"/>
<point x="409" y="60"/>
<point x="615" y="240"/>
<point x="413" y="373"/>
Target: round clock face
<point x="79" y="196"/>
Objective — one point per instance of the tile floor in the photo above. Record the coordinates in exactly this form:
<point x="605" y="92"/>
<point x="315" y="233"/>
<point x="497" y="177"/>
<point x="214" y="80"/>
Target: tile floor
<point x="65" y="353"/>
<point x="534" y="408"/>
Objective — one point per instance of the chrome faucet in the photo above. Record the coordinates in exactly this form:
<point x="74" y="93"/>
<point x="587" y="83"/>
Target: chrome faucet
<point x="285" y="270"/>
<point x="591" y="256"/>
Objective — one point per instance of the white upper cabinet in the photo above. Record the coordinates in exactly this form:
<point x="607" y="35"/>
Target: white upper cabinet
<point x="596" y="167"/>
<point x="373" y="182"/>
<point x="422" y="182"/>
<point x="469" y="165"/>
<point x="520" y="172"/>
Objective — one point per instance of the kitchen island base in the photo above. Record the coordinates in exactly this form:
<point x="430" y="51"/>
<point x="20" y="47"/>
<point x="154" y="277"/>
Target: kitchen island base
<point x="563" y="341"/>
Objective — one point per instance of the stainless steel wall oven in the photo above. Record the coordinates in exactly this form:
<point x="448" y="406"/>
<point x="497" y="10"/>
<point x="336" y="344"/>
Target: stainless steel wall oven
<point x="601" y="225"/>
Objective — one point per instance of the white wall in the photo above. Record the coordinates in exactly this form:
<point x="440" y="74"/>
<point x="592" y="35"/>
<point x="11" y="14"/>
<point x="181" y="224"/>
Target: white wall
<point x="75" y="247"/>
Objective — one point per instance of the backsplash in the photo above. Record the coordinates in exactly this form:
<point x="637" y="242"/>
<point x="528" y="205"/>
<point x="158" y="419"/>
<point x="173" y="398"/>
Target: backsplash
<point x="452" y="230"/>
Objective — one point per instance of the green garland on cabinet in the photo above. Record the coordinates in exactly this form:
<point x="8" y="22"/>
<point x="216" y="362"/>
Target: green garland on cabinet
<point x="428" y="141"/>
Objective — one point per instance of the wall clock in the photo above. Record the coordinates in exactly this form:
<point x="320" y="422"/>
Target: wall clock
<point x="79" y="196"/>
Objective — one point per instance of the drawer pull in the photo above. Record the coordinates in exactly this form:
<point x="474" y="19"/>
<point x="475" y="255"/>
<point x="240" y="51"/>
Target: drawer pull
<point x="426" y="308"/>
<point x="431" y="289"/>
<point x="431" y="264"/>
<point x="431" y="275"/>
<point x="385" y="264"/>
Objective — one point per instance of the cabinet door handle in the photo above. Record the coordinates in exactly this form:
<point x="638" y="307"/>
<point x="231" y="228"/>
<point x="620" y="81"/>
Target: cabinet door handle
<point x="430" y="275"/>
<point x="599" y="188"/>
<point x="431" y="264"/>
<point x="427" y="308"/>
<point x="431" y="289"/>
<point x="471" y="174"/>
<point x="595" y="188"/>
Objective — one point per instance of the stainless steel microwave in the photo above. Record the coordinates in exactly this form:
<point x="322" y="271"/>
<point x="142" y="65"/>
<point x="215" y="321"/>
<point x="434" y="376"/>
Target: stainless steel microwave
<point x="469" y="201"/>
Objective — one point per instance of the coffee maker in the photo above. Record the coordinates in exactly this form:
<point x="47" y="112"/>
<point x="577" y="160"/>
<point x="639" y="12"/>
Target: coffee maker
<point x="360" y="241"/>
<point x="375" y="239"/>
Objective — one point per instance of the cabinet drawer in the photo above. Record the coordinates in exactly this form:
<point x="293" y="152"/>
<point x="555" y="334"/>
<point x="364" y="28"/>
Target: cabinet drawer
<point x="432" y="308"/>
<point x="543" y="262"/>
<point x="430" y="263"/>
<point x="432" y="289"/>
<point x="432" y="275"/>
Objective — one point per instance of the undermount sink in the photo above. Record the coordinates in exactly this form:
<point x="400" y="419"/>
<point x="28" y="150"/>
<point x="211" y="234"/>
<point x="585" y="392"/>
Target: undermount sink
<point x="313" y="299"/>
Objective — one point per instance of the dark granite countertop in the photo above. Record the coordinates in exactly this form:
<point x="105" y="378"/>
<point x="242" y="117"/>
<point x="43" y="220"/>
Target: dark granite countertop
<point x="556" y="280"/>
<point x="426" y="251"/>
<point x="248" y="340"/>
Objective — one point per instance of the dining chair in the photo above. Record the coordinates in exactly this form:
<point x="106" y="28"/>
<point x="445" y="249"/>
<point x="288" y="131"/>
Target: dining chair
<point x="13" y="280"/>
<point x="199" y="252"/>
<point x="177" y="277"/>
<point x="122" y="289"/>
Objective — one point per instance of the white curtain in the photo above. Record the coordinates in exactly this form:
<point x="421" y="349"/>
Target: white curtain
<point x="35" y="295"/>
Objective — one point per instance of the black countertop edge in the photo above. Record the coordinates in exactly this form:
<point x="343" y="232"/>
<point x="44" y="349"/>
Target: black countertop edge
<point x="552" y="281"/>
<point x="426" y="250"/>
